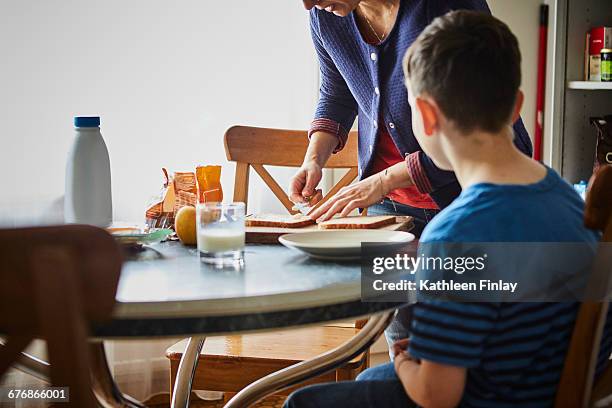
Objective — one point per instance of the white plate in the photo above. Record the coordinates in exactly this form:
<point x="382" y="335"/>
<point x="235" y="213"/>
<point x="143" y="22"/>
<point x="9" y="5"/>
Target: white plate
<point x="345" y="244"/>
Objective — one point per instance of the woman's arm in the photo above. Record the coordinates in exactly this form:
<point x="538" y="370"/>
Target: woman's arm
<point x="364" y="193"/>
<point x="442" y="185"/>
<point x="303" y="186"/>
<point x="335" y="114"/>
<point x="336" y="108"/>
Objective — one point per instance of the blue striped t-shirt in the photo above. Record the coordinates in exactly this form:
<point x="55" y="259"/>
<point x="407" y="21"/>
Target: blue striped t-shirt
<point x="514" y="352"/>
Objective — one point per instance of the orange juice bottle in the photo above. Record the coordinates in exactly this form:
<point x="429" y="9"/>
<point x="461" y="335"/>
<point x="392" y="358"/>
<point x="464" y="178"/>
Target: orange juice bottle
<point x="209" y="184"/>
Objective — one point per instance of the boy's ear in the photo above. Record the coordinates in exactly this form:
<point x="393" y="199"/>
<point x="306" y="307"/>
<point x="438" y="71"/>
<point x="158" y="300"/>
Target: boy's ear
<point x="518" y="105"/>
<point x="429" y="115"/>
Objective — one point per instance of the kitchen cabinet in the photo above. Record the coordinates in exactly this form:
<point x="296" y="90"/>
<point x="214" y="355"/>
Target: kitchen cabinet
<point x="569" y="137"/>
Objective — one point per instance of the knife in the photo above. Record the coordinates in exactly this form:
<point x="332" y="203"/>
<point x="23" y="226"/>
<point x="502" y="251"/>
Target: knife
<point x="303" y="208"/>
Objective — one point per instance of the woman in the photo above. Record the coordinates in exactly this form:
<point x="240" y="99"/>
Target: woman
<point x="360" y="45"/>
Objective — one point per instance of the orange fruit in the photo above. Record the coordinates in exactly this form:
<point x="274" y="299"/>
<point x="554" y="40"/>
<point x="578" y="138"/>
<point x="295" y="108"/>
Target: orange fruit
<point x="185" y="225"/>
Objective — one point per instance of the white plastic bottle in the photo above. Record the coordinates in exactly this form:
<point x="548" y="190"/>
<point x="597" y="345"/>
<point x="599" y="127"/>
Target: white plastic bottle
<point x="88" y="198"/>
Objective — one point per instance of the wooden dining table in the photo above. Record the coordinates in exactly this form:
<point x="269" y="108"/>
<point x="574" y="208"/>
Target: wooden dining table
<point x="166" y="291"/>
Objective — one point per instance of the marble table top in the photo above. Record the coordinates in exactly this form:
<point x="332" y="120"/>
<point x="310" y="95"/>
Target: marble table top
<point x="167" y="291"/>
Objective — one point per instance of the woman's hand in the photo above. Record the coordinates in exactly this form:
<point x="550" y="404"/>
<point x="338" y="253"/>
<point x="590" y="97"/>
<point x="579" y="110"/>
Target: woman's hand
<point x="359" y="195"/>
<point x="303" y="186"/>
<point x="364" y="193"/>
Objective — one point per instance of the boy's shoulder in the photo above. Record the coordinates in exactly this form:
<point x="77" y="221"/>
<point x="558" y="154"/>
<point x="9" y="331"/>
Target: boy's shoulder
<point x="454" y="223"/>
<point x="548" y="210"/>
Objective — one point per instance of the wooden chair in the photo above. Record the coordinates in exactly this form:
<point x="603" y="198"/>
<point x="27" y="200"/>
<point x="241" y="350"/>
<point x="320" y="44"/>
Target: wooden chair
<point x="229" y="363"/>
<point x="578" y="386"/>
<point x="252" y="147"/>
<point x="54" y="283"/>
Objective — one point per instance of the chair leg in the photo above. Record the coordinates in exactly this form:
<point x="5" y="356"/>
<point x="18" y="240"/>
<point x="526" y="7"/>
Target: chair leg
<point x="10" y="351"/>
<point x="59" y="308"/>
<point x="308" y="369"/>
<point x="343" y="374"/>
<point x="34" y="366"/>
<point x="104" y="387"/>
<point x="173" y="372"/>
<point x="186" y="371"/>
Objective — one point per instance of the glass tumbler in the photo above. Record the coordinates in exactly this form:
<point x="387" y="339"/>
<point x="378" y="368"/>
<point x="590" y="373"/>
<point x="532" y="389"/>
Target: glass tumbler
<point x="220" y="229"/>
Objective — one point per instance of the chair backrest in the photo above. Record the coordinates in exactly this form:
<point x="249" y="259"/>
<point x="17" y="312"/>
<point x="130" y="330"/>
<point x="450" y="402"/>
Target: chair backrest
<point x="252" y="147"/>
<point x="577" y="387"/>
<point x="54" y="283"/>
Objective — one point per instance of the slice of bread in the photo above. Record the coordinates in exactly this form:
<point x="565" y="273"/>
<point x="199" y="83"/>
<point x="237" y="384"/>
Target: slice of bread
<point x="358" y="222"/>
<point x="279" y="221"/>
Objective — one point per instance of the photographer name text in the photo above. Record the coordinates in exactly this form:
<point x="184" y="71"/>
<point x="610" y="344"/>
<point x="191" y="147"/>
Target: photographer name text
<point x="445" y="285"/>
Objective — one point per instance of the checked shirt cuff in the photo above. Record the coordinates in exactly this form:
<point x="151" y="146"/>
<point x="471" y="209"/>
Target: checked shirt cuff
<point x="332" y="127"/>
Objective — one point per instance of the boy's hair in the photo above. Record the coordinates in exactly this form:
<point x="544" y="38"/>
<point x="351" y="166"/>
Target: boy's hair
<point x="470" y="64"/>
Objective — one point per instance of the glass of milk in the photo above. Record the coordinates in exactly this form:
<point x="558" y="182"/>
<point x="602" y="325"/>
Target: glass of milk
<point x="220" y="229"/>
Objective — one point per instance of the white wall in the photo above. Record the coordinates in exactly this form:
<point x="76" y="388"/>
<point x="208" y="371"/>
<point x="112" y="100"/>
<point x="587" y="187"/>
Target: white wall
<point x="167" y="78"/>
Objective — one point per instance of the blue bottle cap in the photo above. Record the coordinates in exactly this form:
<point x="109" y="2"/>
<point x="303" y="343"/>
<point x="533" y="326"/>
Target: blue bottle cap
<point x="86" y="121"/>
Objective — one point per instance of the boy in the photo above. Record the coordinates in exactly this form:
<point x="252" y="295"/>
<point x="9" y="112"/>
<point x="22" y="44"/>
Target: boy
<point x="463" y="77"/>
